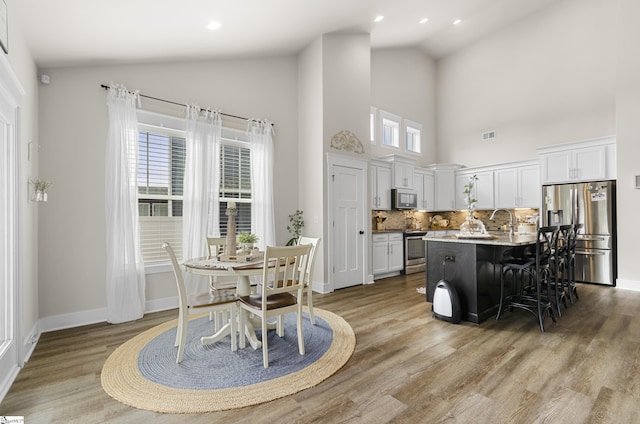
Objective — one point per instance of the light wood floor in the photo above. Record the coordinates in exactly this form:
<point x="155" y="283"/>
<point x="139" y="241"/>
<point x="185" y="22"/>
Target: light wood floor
<point x="407" y="367"/>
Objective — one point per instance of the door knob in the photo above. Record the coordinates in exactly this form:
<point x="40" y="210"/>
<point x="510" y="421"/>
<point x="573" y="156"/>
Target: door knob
<point x="361" y="232"/>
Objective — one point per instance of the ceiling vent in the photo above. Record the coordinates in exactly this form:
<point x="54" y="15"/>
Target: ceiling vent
<point x="489" y="135"/>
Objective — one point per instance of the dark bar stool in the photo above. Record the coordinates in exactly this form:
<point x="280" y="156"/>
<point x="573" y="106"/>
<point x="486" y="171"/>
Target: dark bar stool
<point x="527" y="294"/>
<point x="570" y="282"/>
<point x="559" y="264"/>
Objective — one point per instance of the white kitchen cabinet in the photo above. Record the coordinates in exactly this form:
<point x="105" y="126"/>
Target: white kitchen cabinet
<point x="387" y="252"/>
<point x="517" y="185"/>
<point x="402" y="170"/>
<point x="483" y="190"/>
<point x="444" y="186"/>
<point x="423" y="182"/>
<point x="380" y="185"/>
<point x="578" y="161"/>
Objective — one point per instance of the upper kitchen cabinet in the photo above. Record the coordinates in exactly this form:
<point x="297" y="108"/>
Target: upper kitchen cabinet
<point x="444" y="186"/>
<point x="482" y="189"/>
<point x="517" y="185"/>
<point x="402" y="175"/>
<point x="424" y="185"/>
<point x="380" y="185"/>
<point x="587" y="160"/>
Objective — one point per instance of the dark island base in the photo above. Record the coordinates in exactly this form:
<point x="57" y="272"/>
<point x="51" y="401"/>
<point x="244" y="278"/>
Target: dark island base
<point x="473" y="270"/>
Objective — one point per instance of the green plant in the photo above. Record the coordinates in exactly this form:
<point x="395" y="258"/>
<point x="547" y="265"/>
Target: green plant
<point x="468" y="192"/>
<point x="296" y="224"/>
<point x="41" y="185"/>
<point x="246" y="238"/>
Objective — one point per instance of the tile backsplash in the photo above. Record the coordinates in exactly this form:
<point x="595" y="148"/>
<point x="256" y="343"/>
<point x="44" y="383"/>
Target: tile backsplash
<point x="400" y="220"/>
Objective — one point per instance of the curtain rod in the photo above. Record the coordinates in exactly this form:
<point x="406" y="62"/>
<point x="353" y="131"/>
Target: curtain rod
<point x="106" y="87"/>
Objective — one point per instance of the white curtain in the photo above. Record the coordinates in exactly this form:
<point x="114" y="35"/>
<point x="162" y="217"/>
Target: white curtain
<point x="125" y="279"/>
<point x="201" y="198"/>
<point x="262" y="211"/>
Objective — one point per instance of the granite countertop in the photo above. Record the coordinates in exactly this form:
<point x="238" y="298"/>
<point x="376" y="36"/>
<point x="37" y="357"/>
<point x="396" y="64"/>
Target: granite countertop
<point x="500" y="239"/>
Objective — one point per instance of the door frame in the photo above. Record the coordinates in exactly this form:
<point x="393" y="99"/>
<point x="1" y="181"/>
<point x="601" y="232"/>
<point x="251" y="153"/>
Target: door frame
<point x="12" y="94"/>
<point x="357" y="163"/>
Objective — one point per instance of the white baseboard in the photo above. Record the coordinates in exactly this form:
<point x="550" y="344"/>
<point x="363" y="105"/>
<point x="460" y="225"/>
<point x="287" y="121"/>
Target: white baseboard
<point x="93" y="316"/>
<point x="627" y="284"/>
<point x="320" y="287"/>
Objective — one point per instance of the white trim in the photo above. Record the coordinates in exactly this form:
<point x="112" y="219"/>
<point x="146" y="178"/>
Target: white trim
<point x="627" y="285"/>
<point x="94" y="316"/>
<point x="12" y="95"/>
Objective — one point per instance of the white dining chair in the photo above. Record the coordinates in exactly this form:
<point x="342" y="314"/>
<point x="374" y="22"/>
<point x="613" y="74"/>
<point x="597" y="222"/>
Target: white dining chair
<point x="217" y="246"/>
<point x="210" y="301"/>
<point x="283" y="274"/>
<point x="308" y="279"/>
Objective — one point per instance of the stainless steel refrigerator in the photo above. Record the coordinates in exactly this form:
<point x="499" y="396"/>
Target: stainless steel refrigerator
<point x="593" y="205"/>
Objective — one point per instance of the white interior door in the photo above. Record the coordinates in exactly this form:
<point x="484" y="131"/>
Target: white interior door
<point x="9" y="227"/>
<point x="348" y="239"/>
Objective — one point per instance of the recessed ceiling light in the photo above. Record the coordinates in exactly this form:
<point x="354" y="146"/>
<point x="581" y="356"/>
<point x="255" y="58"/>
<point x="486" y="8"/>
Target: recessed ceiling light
<point x="457" y="21"/>
<point x="378" y="18"/>
<point x="424" y="20"/>
<point x="213" y="25"/>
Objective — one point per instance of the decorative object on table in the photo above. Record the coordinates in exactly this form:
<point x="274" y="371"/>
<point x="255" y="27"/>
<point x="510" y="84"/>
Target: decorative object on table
<point x="231" y="213"/>
<point x="246" y="241"/>
<point x="348" y="141"/>
<point x="142" y="372"/>
<point x="254" y="255"/>
<point x="40" y="190"/>
<point x="380" y="222"/>
<point x="471" y="226"/>
<point x="296" y="224"/>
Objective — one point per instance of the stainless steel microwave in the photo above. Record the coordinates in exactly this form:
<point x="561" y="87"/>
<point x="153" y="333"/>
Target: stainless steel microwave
<point x="404" y="199"/>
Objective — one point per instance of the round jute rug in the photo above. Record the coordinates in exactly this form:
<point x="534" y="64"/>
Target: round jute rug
<point x="142" y="372"/>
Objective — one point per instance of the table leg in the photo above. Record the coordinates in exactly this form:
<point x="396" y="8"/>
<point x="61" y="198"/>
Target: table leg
<point x="243" y="288"/>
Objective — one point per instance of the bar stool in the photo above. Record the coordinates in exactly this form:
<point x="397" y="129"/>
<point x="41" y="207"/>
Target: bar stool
<point x="528" y="295"/>
<point x="570" y="282"/>
<point x="558" y="263"/>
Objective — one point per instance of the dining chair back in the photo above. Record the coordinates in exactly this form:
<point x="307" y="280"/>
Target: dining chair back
<point x="210" y="301"/>
<point x="308" y="280"/>
<point x="217" y="246"/>
<point x="281" y="292"/>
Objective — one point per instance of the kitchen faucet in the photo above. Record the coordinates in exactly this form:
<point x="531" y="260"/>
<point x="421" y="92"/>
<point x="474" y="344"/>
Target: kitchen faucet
<point x="510" y="219"/>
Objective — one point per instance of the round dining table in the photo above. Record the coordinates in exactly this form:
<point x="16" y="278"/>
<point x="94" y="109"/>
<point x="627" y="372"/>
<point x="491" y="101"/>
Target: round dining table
<point x="210" y="266"/>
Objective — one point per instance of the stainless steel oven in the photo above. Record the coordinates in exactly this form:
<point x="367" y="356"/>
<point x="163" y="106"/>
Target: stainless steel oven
<point x="414" y="252"/>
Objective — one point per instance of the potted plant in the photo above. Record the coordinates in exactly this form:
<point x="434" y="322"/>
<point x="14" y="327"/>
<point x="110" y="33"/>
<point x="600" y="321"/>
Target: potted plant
<point x="246" y="241"/>
<point x="296" y="224"/>
<point x="40" y="187"/>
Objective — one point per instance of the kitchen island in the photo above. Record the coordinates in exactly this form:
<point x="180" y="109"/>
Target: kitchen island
<point x="472" y="267"/>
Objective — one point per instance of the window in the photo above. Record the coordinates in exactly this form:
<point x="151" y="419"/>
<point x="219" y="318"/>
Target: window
<point x="389" y="129"/>
<point x="372" y="125"/>
<point x="235" y="184"/>
<point x="413" y="132"/>
<point x="160" y="187"/>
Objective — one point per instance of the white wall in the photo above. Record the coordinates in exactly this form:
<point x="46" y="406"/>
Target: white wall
<point x="628" y="148"/>
<point x="311" y="152"/>
<point x="23" y="66"/>
<point x="73" y="128"/>
<point x="403" y="82"/>
<point x="545" y="80"/>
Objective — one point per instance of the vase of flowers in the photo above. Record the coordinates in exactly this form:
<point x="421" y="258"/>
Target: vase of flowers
<point x="472" y="225"/>
<point x="296" y="224"/>
<point x="246" y="241"/>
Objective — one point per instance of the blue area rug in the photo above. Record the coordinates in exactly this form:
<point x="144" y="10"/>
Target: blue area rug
<point x="143" y="373"/>
<point x="217" y="367"/>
